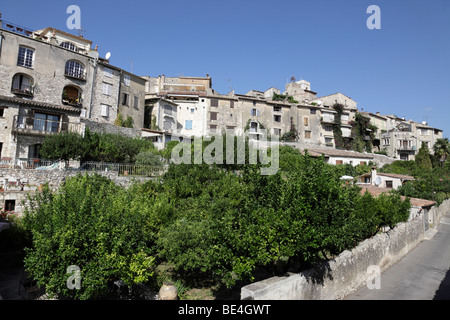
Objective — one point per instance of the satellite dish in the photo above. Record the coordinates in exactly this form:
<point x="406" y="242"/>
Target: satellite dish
<point x="377" y="181"/>
<point x="108" y="55"/>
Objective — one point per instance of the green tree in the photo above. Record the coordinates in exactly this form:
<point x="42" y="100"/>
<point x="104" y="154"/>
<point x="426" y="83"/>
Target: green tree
<point x="63" y="146"/>
<point x="441" y="150"/>
<point x="95" y="225"/>
<point x="423" y="158"/>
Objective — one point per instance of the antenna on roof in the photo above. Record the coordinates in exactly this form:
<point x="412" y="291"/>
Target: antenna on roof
<point x="81" y="32"/>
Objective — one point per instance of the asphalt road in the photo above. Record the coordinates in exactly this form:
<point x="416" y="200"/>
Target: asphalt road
<point x="424" y="274"/>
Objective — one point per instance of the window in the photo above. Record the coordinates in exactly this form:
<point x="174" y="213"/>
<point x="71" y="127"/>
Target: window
<point x="363" y="163"/>
<point x="328" y="128"/>
<point x="214" y="102"/>
<point x="213" y="116"/>
<point x="306" y="121"/>
<point x="69" y="45"/>
<point x="22" y="84"/>
<point x="188" y="125"/>
<point x="192" y="110"/>
<point x="277" y="118"/>
<point x="25" y="57"/>
<point x="126" y="80"/>
<point x="277" y="132"/>
<point x="75" y="69"/>
<point x="107" y="88"/>
<point x="125" y="99"/>
<point x="231" y="127"/>
<point x="213" y="127"/>
<point x="1" y="147"/>
<point x="386" y="142"/>
<point x="307" y="134"/>
<point x="329" y="142"/>
<point x="254" y="127"/>
<point x="10" y="205"/>
<point x="33" y="151"/>
<point x="254" y="113"/>
<point x="107" y="72"/>
<point x="136" y="102"/>
<point x="339" y="162"/>
<point x="72" y="96"/>
<point x="424" y="132"/>
<point x="2" y="112"/>
<point x="45" y="122"/>
<point x="277" y="109"/>
<point x="105" y="110"/>
<point x="313" y="111"/>
<point x="231" y="104"/>
<point x="389" y="184"/>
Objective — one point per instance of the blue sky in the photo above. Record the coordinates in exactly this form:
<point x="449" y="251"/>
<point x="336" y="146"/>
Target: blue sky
<point x="402" y="69"/>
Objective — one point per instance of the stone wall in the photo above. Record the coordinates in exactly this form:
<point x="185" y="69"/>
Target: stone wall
<point x="110" y="128"/>
<point x="341" y="276"/>
<point x="54" y="178"/>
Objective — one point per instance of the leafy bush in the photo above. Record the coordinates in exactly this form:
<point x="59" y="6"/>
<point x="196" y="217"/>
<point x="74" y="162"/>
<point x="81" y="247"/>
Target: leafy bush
<point x="93" y="224"/>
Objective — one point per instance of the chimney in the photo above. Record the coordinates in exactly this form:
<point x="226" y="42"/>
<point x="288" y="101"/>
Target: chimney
<point x="378" y="112"/>
<point x="373" y="176"/>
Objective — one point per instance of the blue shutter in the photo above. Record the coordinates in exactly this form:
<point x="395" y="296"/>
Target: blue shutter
<point x="188" y="125"/>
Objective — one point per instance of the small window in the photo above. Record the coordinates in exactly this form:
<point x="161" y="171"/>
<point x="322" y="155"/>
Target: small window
<point x="136" y="102"/>
<point x="22" y="85"/>
<point x="313" y="111"/>
<point x="306" y="121"/>
<point x="25" y="57"/>
<point x="328" y="128"/>
<point x="213" y="116"/>
<point x="126" y="80"/>
<point x="254" y="113"/>
<point x="213" y="127"/>
<point x="307" y="134"/>
<point x="389" y="184"/>
<point x="277" y="109"/>
<point x="107" y="88"/>
<point x="105" y="110"/>
<point x="277" y="132"/>
<point x="125" y="99"/>
<point x="75" y="69"/>
<point x="2" y="112"/>
<point x="69" y="46"/>
<point x="107" y="72"/>
<point x="192" y="110"/>
<point x="231" y="104"/>
<point x="188" y="125"/>
<point x="339" y="162"/>
<point x="277" y="118"/>
<point x="214" y="102"/>
<point x="10" y="205"/>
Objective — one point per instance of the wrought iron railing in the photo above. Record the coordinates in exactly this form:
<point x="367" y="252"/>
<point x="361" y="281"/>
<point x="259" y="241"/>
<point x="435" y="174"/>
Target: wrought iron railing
<point x="31" y="125"/>
<point x="125" y="169"/>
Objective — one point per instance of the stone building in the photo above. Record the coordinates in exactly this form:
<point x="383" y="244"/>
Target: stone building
<point x="51" y="81"/>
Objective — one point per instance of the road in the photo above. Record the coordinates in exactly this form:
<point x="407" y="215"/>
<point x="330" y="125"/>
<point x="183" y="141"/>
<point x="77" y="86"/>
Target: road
<point x="424" y="274"/>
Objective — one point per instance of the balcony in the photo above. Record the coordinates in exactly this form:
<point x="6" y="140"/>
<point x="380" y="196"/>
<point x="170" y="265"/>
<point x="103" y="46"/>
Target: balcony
<point x="406" y="148"/>
<point x="75" y="75"/>
<point x="23" y="90"/>
<point x="43" y="127"/>
<point x="72" y="102"/>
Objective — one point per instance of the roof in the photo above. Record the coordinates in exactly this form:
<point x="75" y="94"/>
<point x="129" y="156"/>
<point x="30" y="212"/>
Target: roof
<point x="340" y="153"/>
<point x="40" y="104"/>
<point x="64" y="33"/>
<point x="395" y="175"/>
<point x="376" y="191"/>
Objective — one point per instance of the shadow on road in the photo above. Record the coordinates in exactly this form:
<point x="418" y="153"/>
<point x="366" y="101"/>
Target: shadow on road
<point x="443" y="293"/>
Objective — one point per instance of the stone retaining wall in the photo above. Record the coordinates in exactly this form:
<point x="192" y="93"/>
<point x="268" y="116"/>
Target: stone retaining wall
<point x="341" y="276"/>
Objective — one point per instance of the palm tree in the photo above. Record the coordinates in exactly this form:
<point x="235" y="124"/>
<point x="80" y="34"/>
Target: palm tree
<point x="442" y="150"/>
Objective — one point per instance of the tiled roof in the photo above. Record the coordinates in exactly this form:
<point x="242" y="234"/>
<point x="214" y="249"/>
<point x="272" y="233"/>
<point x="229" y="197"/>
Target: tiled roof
<point x="39" y="104"/>
<point x="339" y="153"/>
<point x="375" y="191"/>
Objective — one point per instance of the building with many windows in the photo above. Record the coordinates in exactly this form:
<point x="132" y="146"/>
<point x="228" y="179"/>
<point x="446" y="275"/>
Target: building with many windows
<point x="50" y="81"/>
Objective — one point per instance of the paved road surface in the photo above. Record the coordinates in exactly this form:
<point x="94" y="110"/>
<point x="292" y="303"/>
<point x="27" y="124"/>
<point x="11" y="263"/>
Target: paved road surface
<point x="424" y="274"/>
